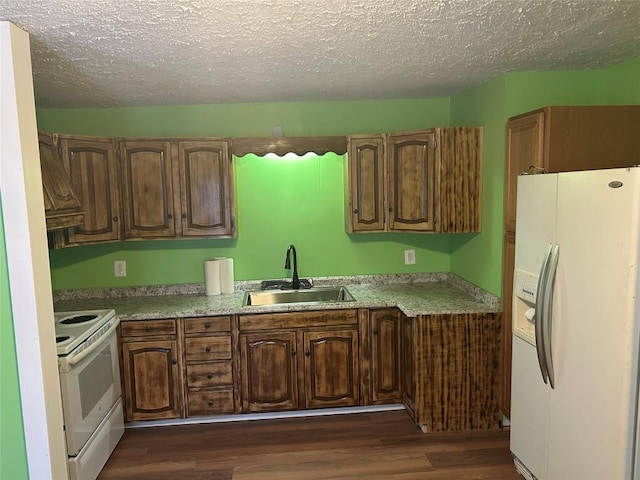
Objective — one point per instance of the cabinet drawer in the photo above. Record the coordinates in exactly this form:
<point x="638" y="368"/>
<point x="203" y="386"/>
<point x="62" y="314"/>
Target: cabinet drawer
<point x="202" y="349"/>
<point x="148" y="327"/>
<point x="207" y="324"/>
<point x="206" y="375"/>
<point x="211" y="403"/>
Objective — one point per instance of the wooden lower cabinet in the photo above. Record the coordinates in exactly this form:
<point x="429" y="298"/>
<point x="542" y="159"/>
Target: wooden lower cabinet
<point x="453" y="362"/>
<point x="312" y="363"/>
<point x="151" y="376"/>
<point x="445" y="368"/>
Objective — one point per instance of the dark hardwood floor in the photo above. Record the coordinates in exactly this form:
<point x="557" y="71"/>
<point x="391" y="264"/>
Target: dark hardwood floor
<point x="372" y="446"/>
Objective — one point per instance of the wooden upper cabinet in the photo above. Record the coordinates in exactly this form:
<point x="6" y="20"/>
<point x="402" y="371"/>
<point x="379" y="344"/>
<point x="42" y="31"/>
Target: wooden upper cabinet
<point x="147" y="177"/>
<point x="423" y="181"/>
<point x="411" y="174"/>
<point x="365" y="191"/>
<point x="206" y="188"/>
<point x="92" y="166"/>
<point x="62" y="206"/>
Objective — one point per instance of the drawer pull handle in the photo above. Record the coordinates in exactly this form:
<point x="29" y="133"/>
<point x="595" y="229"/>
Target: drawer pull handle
<point x="209" y="376"/>
<point x="210" y="403"/>
<point x="207" y="325"/>
<point x="207" y="349"/>
<point x="147" y="329"/>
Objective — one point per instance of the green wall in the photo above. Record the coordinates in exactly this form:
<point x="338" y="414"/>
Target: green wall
<point x="13" y="455"/>
<point x="478" y="258"/>
<point x="275" y="199"/>
<point x="279" y="201"/>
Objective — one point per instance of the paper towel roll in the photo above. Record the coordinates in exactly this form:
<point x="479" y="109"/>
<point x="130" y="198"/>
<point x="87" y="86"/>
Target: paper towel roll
<point x="212" y="277"/>
<point x="226" y="275"/>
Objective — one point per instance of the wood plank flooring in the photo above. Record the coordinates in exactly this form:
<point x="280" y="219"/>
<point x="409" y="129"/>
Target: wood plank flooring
<point x="372" y="446"/>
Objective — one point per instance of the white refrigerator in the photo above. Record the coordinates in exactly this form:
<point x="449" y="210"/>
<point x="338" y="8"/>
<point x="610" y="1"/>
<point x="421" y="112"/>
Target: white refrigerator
<point x="576" y="326"/>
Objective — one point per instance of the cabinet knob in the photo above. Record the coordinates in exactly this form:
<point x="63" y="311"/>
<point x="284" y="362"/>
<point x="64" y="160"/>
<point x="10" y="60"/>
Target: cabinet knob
<point x="174" y="362"/>
<point x="390" y="209"/>
<point x="293" y="353"/>
<point x="115" y="219"/>
<point x="307" y="353"/>
<point x="147" y="329"/>
<point x="207" y="325"/>
<point x="207" y="349"/>
<point x="170" y="216"/>
<point x="375" y="332"/>
<point x="355" y="210"/>
<point x="184" y="215"/>
<point x="209" y="376"/>
<point x="210" y="403"/>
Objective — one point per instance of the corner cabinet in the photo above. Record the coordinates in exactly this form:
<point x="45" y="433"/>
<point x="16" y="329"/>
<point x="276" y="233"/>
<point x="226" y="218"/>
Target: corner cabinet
<point x="151" y="367"/>
<point x="299" y="360"/>
<point x="423" y="181"/>
<point x="558" y="139"/>
<point x="451" y="371"/>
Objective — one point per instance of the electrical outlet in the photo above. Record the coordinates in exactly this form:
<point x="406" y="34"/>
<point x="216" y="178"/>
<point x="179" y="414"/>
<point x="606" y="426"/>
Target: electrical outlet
<point x="120" y="268"/>
<point x="410" y="257"/>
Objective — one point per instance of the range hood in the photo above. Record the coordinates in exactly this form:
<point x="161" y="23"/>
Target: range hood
<point x="61" y="205"/>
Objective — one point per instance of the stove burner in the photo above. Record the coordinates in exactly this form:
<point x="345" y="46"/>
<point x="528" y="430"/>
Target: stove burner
<point x="78" y="319"/>
<point x="62" y="338"/>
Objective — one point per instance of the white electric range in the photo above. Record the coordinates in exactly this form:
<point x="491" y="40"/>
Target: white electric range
<point x="90" y="382"/>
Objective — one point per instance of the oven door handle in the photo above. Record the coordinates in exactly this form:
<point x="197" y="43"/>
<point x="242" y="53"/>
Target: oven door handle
<point x="94" y="345"/>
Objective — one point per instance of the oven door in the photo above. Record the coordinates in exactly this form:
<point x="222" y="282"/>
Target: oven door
<point x="90" y="386"/>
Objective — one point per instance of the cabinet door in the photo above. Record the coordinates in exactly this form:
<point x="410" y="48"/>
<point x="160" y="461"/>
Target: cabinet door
<point x="385" y="355"/>
<point x="331" y="368"/>
<point x="91" y="164"/>
<point x="411" y="174"/>
<point x="152" y="384"/>
<point x="525" y="137"/>
<point x="206" y="188"/>
<point x="366" y="180"/>
<point x="408" y="364"/>
<point x="147" y="189"/>
<point x="269" y="371"/>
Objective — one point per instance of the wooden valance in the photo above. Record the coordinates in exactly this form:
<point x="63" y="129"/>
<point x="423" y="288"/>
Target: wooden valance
<point x="282" y="145"/>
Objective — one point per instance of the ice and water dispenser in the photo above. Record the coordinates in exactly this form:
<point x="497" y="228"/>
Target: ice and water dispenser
<point x="525" y="287"/>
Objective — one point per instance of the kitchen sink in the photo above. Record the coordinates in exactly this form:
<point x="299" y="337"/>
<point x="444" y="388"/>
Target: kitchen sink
<point x="312" y="295"/>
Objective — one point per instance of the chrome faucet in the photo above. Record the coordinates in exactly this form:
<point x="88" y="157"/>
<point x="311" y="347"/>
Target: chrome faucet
<point x="295" y="281"/>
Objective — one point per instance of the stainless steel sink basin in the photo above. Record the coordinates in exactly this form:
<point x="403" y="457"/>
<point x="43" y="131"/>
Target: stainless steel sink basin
<point x="312" y="295"/>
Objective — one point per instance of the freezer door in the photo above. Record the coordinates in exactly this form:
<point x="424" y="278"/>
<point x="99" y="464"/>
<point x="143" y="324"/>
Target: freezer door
<point x="535" y="220"/>
<point x="529" y="409"/>
<point x="594" y="344"/>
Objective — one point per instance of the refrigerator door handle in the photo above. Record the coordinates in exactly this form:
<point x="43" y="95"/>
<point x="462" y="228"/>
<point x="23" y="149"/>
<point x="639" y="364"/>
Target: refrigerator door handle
<point x="539" y="317"/>
<point x="548" y="311"/>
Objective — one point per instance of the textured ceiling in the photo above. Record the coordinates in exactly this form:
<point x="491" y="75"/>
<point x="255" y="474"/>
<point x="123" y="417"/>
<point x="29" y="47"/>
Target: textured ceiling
<point x="159" y="52"/>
